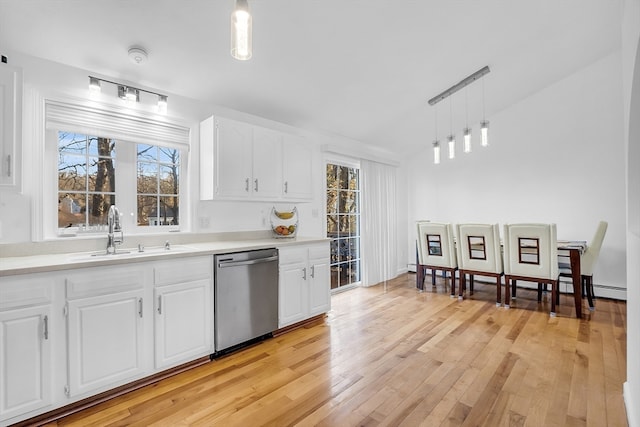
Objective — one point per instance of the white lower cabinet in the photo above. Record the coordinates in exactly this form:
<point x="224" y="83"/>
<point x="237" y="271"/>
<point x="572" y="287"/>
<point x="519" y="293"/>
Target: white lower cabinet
<point x="25" y="345"/>
<point x="106" y="315"/>
<point x="304" y="287"/>
<point x="183" y="310"/>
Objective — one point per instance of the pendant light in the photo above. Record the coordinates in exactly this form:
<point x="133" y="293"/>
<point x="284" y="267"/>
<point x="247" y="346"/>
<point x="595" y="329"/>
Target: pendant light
<point x="241" y="31"/>
<point x="436" y="143"/>
<point x="467" y="130"/>
<point x="484" y="124"/>
<point x="451" y="138"/>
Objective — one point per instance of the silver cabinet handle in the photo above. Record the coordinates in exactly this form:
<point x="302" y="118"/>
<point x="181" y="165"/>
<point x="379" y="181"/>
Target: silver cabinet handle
<point x="46" y="327"/>
<point x="286" y="187"/>
<point x="159" y="304"/>
<point x="313" y="271"/>
<point x="9" y="165"/>
<point x="246" y="185"/>
<point x="256" y="185"/>
<point x="304" y="273"/>
<point x="140" y="307"/>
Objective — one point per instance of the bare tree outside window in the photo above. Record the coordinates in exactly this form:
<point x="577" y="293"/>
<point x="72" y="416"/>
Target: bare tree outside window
<point x="158" y="185"/>
<point x="86" y="179"/>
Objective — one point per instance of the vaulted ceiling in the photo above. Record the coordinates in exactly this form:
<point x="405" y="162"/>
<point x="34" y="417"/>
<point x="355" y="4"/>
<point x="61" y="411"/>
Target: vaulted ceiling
<point x="363" y="69"/>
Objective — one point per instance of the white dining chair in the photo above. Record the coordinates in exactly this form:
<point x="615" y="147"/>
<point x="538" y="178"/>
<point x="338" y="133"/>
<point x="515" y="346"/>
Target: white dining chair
<point x="587" y="263"/>
<point x="531" y="254"/>
<point x="479" y="253"/>
<point x="436" y="251"/>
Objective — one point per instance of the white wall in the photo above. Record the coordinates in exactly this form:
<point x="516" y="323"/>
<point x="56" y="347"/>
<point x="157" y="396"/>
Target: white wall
<point x="48" y="80"/>
<point x="631" y="85"/>
<point x="556" y="156"/>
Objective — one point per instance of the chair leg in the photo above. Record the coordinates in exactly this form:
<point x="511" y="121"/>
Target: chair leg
<point x="471" y="284"/>
<point x="453" y="283"/>
<point x="554" y="293"/>
<point x="462" y="285"/>
<point x="499" y="291"/>
<point x="513" y="288"/>
<point x="587" y="284"/>
<point x="507" y="294"/>
<point x="433" y="278"/>
<point x="539" y="292"/>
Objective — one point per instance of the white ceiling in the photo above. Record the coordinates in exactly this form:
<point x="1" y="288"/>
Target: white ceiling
<point x="363" y="69"/>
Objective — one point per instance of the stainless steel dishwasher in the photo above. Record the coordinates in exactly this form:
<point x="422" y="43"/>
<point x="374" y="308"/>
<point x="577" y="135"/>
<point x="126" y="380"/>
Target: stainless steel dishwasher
<point x="246" y="297"/>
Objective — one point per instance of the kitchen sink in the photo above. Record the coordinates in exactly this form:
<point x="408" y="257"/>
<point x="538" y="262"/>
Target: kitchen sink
<point x="130" y="253"/>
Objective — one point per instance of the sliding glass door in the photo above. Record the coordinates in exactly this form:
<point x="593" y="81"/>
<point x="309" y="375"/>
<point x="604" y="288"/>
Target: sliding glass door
<point x="343" y="224"/>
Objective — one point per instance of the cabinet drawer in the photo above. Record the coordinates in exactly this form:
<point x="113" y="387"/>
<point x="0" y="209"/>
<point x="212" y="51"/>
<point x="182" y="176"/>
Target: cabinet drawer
<point x="104" y="280"/>
<point x="292" y="255"/>
<point x="319" y="250"/>
<point x="182" y="270"/>
<point x="21" y="291"/>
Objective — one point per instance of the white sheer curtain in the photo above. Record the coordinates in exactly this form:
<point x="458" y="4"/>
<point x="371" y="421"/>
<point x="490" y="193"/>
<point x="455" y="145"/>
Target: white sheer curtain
<point x="378" y="222"/>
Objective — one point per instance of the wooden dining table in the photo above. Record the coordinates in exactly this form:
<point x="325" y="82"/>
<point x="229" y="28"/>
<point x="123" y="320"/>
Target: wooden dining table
<point x="575" y="248"/>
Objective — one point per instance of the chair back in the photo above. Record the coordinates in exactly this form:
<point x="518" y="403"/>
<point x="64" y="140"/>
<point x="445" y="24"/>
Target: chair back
<point x="531" y="250"/>
<point x="436" y="245"/>
<point x="590" y="256"/>
<point x="478" y="247"/>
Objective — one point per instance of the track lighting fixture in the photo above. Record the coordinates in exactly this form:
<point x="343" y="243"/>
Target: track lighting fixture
<point x="128" y="93"/>
<point x="241" y="28"/>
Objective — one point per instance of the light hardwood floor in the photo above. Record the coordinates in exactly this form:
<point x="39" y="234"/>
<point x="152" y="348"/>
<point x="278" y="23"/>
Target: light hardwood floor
<point x="390" y="355"/>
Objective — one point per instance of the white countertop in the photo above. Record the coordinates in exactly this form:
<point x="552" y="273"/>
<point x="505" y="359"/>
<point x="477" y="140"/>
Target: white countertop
<point x="64" y="261"/>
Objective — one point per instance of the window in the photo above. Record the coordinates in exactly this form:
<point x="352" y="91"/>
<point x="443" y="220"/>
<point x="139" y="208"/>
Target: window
<point x="101" y="155"/>
<point x="90" y="181"/>
<point x="86" y="179"/>
<point x="158" y="185"/>
<point x="343" y="224"/>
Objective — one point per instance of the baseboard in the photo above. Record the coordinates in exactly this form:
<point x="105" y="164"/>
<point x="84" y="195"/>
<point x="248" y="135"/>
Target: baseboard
<point x="632" y="416"/>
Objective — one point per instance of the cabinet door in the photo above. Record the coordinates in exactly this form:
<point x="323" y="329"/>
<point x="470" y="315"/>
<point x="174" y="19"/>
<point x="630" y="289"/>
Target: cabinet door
<point x="297" y="166"/>
<point x="233" y="177"/>
<point x="293" y="294"/>
<point x="267" y="161"/>
<point x="105" y="339"/>
<point x="319" y="287"/>
<point x="10" y="124"/>
<point x="25" y="360"/>
<point x="183" y="322"/>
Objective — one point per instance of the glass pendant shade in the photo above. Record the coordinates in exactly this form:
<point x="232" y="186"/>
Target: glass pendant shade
<point x="94" y="84"/>
<point x="436" y="152"/>
<point x="162" y="104"/>
<point x="452" y="146"/>
<point x="241" y="31"/>
<point x="467" y="140"/>
<point x="484" y="132"/>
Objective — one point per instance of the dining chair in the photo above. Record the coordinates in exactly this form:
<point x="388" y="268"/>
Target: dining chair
<point x="531" y="254"/>
<point x="479" y="253"/>
<point x="587" y="263"/>
<point x="436" y="251"/>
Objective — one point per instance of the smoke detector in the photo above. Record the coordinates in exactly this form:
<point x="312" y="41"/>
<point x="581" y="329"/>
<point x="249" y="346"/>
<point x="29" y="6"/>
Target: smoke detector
<point x="137" y="55"/>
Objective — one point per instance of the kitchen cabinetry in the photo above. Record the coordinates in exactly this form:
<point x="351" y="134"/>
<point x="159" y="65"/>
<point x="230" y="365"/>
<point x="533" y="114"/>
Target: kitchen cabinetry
<point x="10" y="125"/>
<point x="297" y="164"/>
<point x="304" y="283"/>
<point x="239" y="161"/>
<point x="106" y="315"/>
<point x="183" y="310"/>
<point x="25" y="339"/>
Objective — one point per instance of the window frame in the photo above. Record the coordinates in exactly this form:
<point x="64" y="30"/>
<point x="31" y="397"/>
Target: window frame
<point x="126" y="170"/>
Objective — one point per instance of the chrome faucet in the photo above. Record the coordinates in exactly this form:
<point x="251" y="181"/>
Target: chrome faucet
<point x="113" y="223"/>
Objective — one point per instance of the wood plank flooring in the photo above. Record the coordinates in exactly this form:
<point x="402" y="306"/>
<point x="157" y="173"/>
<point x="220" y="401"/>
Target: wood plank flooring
<point x="392" y="356"/>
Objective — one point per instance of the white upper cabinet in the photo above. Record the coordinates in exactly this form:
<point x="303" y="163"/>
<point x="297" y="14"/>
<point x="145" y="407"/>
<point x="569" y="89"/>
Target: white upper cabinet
<point x="10" y="125"/>
<point x="297" y="164"/>
<point x="239" y="161"/>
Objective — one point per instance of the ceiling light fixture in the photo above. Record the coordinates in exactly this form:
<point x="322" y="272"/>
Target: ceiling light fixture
<point x="129" y="93"/>
<point x="452" y="137"/>
<point x="241" y="31"/>
<point x="484" y="124"/>
<point x="436" y="143"/>
<point x="467" y="131"/>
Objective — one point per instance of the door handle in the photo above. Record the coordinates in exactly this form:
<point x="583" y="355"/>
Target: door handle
<point x="256" y="185"/>
<point x="313" y="271"/>
<point x="159" y="304"/>
<point x="304" y="273"/>
<point x="46" y="327"/>
<point x="140" y="307"/>
<point x="286" y="187"/>
<point x="246" y="185"/>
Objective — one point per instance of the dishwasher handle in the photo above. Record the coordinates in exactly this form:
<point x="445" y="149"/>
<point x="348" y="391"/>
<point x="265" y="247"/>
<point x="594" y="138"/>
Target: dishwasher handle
<point x="226" y="263"/>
